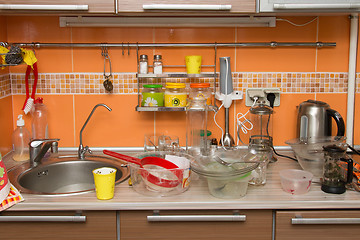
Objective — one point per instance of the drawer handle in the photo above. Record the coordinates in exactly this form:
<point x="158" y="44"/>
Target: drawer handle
<point x="197" y="218"/>
<point x="310" y="6"/>
<point x="202" y="7"/>
<point x="325" y="221"/>
<point x="44" y="7"/>
<point x="43" y="218"/>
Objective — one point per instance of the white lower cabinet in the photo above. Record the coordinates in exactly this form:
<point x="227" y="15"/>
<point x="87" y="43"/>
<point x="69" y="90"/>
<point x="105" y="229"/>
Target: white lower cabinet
<point x="196" y="224"/>
<point x="317" y="225"/>
<point x="54" y="225"/>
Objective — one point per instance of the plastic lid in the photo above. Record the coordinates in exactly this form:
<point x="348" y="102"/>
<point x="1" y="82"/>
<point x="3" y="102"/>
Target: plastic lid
<point x="20" y="122"/>
<point x="152" y="86"/>
<point x="39" y="100"/>
<point x="175" y="85"/>
<point x="199" y="85"/>
<point x="208" y="133"/>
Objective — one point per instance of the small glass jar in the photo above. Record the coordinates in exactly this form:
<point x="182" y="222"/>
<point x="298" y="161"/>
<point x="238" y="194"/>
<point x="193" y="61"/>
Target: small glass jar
<point x="158" y="64"/>
<point x="152" y="96"/>
<point x="143" y="64"/>
<point x="175" y="95"/>
<point x="200" y="90"/>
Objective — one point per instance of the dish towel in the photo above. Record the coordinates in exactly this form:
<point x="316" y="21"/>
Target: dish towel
<point x="13" y="198"/>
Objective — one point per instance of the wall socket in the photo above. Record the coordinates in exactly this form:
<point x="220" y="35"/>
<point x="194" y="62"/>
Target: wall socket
<point x="262" y="93"/>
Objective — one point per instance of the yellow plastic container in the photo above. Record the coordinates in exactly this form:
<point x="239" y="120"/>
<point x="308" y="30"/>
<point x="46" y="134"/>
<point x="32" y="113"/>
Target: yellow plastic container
<point x="193" y="64"/>
<point x="104" y="179"/>
<point x="175" y="95"/>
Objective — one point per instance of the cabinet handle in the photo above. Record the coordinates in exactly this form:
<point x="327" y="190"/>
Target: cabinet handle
<point x="197" y="218"/>
<point x="186" y="7"/>
<point x="325" y="221"/>
<point x="43" y="218"/>
<point x="315" y="6"/>
<point x="43" y="7"/>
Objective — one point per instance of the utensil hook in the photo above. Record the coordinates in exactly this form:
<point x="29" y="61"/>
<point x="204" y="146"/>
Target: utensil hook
<point x="105" y="54"/>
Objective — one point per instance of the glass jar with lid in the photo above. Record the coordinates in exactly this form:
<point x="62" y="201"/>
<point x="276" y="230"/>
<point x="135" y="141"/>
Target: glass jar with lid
<point x="175" y="95"/>
<point x="200" y="90"/>
<point x="143" y="64"/>
<point x="152" y="96"/>
<point x="158" y="64"/>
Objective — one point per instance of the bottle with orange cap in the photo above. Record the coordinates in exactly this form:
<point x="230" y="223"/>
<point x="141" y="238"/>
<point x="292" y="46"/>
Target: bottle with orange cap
<point x="200" y="90"/>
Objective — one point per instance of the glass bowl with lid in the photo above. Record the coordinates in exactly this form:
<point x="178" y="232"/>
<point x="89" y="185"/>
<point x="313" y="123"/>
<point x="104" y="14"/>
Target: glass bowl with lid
<point x="227" y="181"/>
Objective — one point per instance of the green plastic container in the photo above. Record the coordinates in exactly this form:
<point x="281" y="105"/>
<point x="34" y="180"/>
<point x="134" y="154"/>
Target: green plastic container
<point x="152" y="96"/>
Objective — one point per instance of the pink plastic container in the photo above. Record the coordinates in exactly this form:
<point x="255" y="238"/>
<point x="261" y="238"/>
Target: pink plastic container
<point x="295" y="181"/>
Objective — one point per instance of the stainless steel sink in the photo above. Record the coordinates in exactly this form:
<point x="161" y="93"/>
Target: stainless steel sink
<point x="63" y="175"/>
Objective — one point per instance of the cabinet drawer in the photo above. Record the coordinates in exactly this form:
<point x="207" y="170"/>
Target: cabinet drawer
<point x="215" y="224"/>
<point x="227" y="6"/>
<point x="98" y="225"/>
<point x="97" y="6"/>
<point x="322" y="224"/>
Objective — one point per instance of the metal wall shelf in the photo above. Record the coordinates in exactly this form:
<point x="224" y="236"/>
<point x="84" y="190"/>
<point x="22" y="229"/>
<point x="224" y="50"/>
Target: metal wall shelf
<point x="177" y="75"/>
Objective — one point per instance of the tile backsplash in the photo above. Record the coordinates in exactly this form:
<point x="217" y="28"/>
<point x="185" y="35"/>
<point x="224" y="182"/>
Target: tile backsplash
<point x="126" y="83"/>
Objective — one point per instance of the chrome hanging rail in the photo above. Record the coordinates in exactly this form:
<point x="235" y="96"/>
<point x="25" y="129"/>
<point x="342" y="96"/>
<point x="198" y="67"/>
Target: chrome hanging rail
<point x="148" y="45"/>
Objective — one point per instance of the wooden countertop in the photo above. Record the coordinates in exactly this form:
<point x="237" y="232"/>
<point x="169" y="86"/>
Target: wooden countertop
<point x="269" y="196"/>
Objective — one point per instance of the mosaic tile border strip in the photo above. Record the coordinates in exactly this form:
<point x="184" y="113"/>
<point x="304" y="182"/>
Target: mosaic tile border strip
<point x="5" y="85"/>
<point x="126" y="83"/>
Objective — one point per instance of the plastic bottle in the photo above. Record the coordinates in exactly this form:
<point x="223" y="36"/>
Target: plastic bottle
<point x="21" y="139"/>
<point x="39" y="121"/>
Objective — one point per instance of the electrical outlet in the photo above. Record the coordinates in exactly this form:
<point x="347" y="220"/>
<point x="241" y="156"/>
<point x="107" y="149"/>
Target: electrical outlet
<point x="262" y="93"/>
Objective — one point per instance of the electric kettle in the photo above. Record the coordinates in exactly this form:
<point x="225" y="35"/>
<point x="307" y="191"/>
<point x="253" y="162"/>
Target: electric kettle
<point x="314" y="120"/>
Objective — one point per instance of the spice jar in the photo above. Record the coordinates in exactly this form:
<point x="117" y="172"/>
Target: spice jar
<point x="175" y="95"/>
<point x="158" y="64"/>
<point x="152" y="96"/>
<point x="200" y="90"/>
<point x="143" y="64"/>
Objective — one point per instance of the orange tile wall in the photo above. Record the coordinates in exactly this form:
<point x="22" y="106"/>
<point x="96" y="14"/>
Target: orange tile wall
<point x="124" y="127"/>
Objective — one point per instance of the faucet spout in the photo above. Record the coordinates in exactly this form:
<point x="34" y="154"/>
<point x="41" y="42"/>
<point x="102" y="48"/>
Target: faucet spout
<point x="82" y="150"/>
<point x="38" y="149"/>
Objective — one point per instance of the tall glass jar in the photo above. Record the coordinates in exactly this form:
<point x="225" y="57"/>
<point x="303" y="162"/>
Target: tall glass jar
<point x="196" y="127"/>
<point x="175" y="95"/>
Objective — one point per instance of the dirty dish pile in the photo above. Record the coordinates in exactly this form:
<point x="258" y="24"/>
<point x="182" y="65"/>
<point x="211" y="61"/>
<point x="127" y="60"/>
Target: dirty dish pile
<point x="227" y="181"/>
<point x="310" y="154"/>
<point x="295" y="181"/>
<point x="160" y="173"/>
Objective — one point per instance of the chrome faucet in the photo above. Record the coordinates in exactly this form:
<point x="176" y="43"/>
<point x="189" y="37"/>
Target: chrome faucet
<point x="82" y="150"/>
<point x="38" y="149"/>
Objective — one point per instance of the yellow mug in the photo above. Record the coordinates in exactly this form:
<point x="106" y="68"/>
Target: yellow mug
<point x="193" y="64"/>
<point x="104" y="179"/>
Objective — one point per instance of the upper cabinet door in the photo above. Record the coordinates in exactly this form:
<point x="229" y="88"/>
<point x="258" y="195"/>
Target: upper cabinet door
<point x="76" y="6"/>
<point x="187" y="6"/>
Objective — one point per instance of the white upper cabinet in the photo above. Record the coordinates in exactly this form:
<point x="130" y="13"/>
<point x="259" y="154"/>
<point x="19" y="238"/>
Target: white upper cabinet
<point x="48" y="6"/>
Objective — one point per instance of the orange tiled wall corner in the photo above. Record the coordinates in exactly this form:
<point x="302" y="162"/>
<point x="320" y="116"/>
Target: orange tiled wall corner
<point x="71" y="79"/>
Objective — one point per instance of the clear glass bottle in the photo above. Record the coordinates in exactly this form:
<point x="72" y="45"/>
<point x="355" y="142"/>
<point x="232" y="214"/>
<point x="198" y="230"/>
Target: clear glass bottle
<point x="196" y="127"/>
<point x="39" y="121"/>
<point x="143" y="64"/>
<point x="20" y="140"/>
<point x="158" y="64"/>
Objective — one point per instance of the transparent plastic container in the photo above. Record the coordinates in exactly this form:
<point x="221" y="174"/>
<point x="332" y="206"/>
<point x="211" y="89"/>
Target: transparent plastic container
<point x="200" y="90"/>
<point x="39" y="122"/>
<point x="20" y="140"/>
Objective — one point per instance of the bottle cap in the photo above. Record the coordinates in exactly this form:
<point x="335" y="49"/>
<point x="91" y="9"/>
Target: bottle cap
<point x="20" y="121"/>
